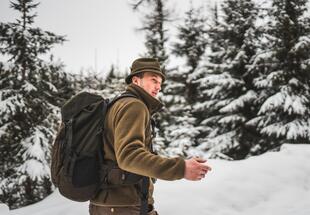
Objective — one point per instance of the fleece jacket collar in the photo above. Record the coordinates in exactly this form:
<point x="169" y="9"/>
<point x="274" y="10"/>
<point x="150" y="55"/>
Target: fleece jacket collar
<point x="153" y="104"/>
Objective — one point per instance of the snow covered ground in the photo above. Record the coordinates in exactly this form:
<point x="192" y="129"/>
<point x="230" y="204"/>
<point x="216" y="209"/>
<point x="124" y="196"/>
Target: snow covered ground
<point x="275" y="183"/>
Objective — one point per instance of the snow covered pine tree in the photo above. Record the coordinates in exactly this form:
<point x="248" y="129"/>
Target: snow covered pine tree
<point x="181" y="132"/>
<point x="283" y="84"/>
<point x="28" y="116"/>
<point x="226" y="96"/>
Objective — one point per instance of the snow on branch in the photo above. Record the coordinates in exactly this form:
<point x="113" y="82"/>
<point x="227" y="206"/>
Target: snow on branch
<point x="217" y="144"/>
<point x="223" y="79"/>
<point x="232" y="119"/>
<point x="265" y="56"/>
<point x="35" y="169"/>
<point x="290" y="104"/>
<point x="11" y="103"/>
<point x="34" y="155"/>
<point x="290" y="130"/>
<point x="28" y="87"/>
<point x="4" y="128"/>
<point x="302" y="44"/>
<point x="238" y="103"/>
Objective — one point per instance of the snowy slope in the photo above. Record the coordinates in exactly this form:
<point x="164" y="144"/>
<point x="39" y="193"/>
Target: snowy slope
<point x="271" y="184"/>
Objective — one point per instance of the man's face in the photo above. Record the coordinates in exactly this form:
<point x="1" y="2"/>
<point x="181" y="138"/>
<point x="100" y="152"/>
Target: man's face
<point x="150" y="82"/>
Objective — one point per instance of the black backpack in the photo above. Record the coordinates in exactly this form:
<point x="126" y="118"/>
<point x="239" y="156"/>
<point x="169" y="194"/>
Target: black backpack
<point x="78" y="168"/>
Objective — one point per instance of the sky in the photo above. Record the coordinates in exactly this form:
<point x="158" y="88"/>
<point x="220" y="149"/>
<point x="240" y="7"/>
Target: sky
<point x="98" y="32"/>
<point x="268" y="184"/>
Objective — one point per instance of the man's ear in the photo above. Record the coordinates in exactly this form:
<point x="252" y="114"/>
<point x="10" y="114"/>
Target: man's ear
<point x="134" y="80"/>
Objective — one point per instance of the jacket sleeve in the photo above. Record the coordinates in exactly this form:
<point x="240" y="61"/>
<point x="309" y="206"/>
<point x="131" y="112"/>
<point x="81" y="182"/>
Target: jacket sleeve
<point x="129" y="138"/>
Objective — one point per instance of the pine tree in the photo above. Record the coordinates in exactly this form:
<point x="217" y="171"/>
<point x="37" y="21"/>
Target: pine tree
<point x="181" y="132"/>
<point x="226" y="93"/>
<point x="109" y="87"/>
<point x="283" y="83"/>
<point x="114" y="83"/>
<point x="28" y="114"/>
<point x="191" y="45"/>
<point x="60" y="82"/>
<point x="156" y="15"/>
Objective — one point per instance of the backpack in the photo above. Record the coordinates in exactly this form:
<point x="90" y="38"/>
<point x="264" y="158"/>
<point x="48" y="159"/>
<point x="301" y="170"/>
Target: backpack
<point x="78" y="167"/>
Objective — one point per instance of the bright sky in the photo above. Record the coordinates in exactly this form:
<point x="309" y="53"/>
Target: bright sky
<point x="99" y="32"/>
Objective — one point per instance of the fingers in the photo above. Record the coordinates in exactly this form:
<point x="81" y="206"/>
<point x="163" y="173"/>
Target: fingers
<point x="196" y="169"/>
<point x="198" y="175"/>
<point x="202" y="161"/>
<point x="206" y="167"/>
<point x="203" y="170"/>
<point x="201" y="176"/>
<point x="202" y="164"/>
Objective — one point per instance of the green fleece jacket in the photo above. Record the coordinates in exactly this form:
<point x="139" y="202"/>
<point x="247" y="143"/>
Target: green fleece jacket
<point x="128" y="139"/>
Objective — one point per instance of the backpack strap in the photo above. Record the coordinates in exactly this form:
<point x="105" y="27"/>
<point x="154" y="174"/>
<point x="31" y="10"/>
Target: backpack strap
<point x="69" y="163"/>
<point x="123" y="95"/>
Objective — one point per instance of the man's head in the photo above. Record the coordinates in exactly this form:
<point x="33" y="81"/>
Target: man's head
<point x="146" y="73"/>
<point x="149" y="81"/>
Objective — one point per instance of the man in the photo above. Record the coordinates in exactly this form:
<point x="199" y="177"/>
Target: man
<point x="128" y="142"/>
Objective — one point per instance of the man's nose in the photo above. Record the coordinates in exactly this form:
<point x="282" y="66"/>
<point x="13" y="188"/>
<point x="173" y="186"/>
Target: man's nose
<point x="158" y="87"/>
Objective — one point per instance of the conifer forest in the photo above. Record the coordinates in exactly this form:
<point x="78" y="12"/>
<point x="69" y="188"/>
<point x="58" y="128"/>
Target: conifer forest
<point x="241" y="88"/>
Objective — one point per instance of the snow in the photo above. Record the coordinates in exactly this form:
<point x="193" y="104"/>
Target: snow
<point x="216" y="143"/>
<point x="291" y="130"/>
<point x="239" y="102"/>
<point x="290" y="103"/>
<point x="35" y="146"/>
<point x="51" y="87"/>
<point x="4" y="210"/>
<point x="11" y="103"/>
<point x="223" y="79"/>
<point x="27" y="87"/>
<point x="3" y="129"/>
<point x="34" y="168"/>
<point x="233" y="119"/>
<point x="303" y="43"/>
<point x="272" y="183"/>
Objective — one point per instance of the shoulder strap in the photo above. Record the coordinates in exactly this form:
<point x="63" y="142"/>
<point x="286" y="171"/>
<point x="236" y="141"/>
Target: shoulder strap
<point x="123" y="95"/>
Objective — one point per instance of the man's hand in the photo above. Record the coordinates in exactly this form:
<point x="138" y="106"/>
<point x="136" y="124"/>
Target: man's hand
<point x="196" y="169"/>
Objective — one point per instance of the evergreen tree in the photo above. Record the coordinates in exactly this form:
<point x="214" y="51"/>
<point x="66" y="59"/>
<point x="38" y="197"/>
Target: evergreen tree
<point x="181" y="131"/>
<point x="60" y="82"/>
<point x="226" y="93"/>
<point x="109" y="87"/>
<point x="28" y="114"/>
<point x="156" y="15"/>
<point x="87" y="80"/>
<point x="283" y="83"/>
<point x="114" y="83"/>
<point x="191" y="45"/>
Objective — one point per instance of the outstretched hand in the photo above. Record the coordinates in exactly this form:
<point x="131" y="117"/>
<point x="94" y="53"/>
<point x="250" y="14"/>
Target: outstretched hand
<point x="196" y="169"/>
